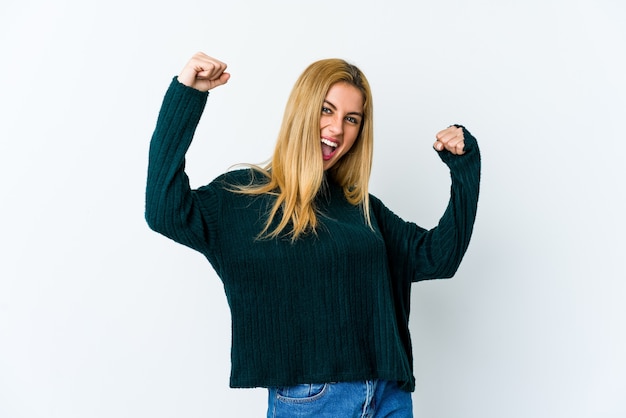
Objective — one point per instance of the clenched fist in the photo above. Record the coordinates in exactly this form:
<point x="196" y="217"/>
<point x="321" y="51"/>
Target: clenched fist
<point x="451" y="139"/>
<point x="203" y="73"/>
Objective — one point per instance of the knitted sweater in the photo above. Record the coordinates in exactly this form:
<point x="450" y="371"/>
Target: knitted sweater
<point x="331" y="306"/>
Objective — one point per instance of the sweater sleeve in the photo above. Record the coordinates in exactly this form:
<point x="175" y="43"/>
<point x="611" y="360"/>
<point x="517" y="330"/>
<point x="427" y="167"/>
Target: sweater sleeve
<point x="172" y="208"/>
<point x="419" y="254"/>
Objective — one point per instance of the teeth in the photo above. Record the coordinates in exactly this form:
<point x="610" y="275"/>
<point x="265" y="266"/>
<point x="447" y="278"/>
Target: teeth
<point x="329" y="143"/>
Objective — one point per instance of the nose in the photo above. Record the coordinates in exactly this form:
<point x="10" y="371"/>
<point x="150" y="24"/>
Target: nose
<point x="336" y="125"/>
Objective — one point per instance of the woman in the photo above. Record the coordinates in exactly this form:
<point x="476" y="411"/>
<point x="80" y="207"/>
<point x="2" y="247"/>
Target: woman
<point x="317" y="272"/>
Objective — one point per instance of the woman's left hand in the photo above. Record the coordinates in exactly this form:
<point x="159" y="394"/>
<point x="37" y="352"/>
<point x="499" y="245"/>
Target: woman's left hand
<point x="451" y="139"/>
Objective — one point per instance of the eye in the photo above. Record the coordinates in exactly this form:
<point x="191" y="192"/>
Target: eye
<point x="326" y="110"/>
<point x="352" y="120"/>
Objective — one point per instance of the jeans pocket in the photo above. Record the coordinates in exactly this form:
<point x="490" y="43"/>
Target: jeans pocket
<point x="301" y="393"/>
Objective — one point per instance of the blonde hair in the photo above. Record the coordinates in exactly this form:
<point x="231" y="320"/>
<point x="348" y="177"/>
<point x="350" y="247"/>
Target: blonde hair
<point x="295" y="173"/>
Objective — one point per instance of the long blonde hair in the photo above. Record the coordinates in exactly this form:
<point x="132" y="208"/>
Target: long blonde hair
<point x="295" y="173"/>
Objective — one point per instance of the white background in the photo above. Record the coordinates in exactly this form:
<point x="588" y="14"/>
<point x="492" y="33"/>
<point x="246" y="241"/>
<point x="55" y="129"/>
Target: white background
<point x="101" y="317"/>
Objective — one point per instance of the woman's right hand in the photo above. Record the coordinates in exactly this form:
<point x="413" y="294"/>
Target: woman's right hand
<point x="203" y="73"/>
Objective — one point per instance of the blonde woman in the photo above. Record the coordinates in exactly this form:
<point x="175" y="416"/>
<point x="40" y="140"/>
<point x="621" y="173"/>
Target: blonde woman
<point x="317" y="271"/>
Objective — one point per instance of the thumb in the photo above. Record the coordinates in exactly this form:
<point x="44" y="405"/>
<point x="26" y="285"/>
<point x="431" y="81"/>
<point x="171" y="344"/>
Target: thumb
<point x="224" y="77"/>
<point x="204" y="84"/>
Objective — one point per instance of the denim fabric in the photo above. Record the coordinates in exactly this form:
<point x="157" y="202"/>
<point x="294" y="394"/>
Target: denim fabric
<point x="369" y="399"/>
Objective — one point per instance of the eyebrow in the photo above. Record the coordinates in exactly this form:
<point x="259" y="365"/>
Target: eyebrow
<point x="349" y="113"/>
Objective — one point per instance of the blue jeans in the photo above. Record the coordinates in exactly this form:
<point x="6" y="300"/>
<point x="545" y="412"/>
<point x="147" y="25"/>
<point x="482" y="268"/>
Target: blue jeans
<point x="369" y="399"/>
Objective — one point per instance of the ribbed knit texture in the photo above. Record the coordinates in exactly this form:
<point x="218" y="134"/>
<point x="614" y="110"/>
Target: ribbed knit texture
<point x="333" y="306"/>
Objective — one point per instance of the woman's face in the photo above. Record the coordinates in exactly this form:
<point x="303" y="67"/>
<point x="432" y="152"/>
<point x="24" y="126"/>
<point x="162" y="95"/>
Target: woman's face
<point x="342" y="115"/>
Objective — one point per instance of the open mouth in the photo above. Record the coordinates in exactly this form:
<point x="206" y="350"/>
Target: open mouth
<point x="328" y="148"/>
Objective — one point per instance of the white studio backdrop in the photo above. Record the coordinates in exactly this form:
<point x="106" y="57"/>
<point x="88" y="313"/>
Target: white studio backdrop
<point x="101" y="317"/>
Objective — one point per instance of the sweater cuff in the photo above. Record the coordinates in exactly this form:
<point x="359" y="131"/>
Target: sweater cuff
<point x="184" y="89"/>
<point x="182" y="107"/>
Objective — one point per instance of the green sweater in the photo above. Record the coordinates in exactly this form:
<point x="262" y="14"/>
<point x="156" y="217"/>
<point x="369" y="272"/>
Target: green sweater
<point x="333" y="306"/>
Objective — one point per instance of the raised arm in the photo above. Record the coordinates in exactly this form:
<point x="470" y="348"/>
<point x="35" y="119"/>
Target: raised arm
<point x="172" y="208"/>
<point x="416" y="253"/>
